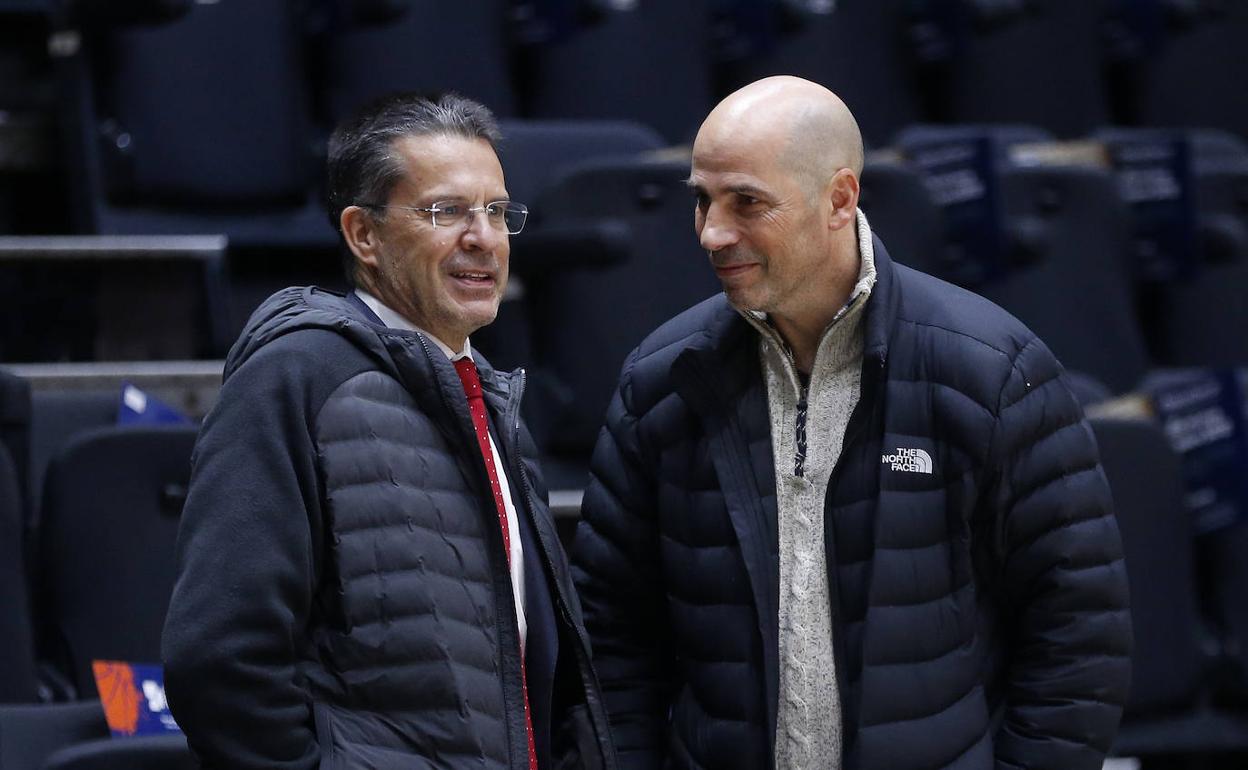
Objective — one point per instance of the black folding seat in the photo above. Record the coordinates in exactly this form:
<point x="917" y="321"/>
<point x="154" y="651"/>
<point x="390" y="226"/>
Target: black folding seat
<point x="1024" y="62"/>
<point x="535" y="154"/>
<point x="18" y="678"/>
<point x="860" y="49"/>
<point x="644" y="60"/>
<point x="378" y="47"/>
<point x="31" y="733"/>
<point x="106" y="544"/>
<point x="587" y="322"/>
<point x="1070" y="280"/>
<point x="56" y="417"/>
<point x="199" y="124"/>
<point x="1202" y="321"/>
<point x="163" y="752"/>
<point x="1196" y="76"/>
<point x="1167" y="712"/>
<point x="901" y="211"/>
<point x="1146" y="478"/>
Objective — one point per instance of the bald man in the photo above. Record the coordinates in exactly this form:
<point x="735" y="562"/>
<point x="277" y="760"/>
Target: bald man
<point x="844" y="515"/>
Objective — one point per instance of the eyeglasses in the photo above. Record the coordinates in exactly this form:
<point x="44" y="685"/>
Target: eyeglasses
<point x="501" y="215"/>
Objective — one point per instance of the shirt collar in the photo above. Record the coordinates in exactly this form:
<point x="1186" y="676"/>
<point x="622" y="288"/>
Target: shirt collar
<point x="395" y="321"/>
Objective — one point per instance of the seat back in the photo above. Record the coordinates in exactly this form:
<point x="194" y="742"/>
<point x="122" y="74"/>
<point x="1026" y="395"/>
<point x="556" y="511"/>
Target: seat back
<point x="587" y="322"/>
<point x="648" y="61"/>
<point x="17" y="654"/>
<point x="106" y="543"/>
<point x="900" y="210"/>
<point x="1200" y="322"/>
<point x="210" y="108"/>
<point x="1003" y="66"/>
<point x="1072" y="285"/>
<point x="29" y="734"/>
<point x="860" y="50"/>
<point x="1146" y="479"/>
<point x="420" y="47"/>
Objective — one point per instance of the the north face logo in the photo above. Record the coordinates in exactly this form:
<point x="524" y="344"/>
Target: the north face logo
<point x="908" y="460"/>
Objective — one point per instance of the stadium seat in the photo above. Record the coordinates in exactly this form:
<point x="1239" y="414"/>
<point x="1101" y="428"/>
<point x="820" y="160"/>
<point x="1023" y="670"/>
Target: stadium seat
<point x="535" y="154"/>
<point x="106" y="546"/>
<point x="18" y="678"/>
<point x="200" y="125"/>
<point x="900" y="210"/>
<point x="587" y="322"/>
<point x="647" y="60"/>
<point x="29" y="734"/>
<point x="1202" y="321"/>
<point x="859" y="50"/>
<point x="1070" y="282"/>
<point x="417" y="45"/>
<point x="1169" y="712"/>
<point x="138" y="753"/>
<point x="57" y="416"/>
<point x="1197" y="78"/>
<point x="1025" y="62"/>
<point x="1146" y="479"/>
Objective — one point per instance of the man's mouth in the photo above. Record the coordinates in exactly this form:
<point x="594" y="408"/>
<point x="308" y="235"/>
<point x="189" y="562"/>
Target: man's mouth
<point x="474" y="277"/>
<point x="726" y="271"/>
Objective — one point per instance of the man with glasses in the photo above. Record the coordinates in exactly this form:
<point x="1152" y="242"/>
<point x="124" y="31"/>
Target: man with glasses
<point x="844" y="515"/>
<point x="368" y="571"/>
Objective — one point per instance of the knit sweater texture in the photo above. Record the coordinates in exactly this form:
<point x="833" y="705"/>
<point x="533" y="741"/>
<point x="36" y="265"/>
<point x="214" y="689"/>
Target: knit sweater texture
<point x="808" y="422"/>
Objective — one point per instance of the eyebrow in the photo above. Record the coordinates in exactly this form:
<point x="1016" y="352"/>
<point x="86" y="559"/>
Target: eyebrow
<point x="753" y="191"/>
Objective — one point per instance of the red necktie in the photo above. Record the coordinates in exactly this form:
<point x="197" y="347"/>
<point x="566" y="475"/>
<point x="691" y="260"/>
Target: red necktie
<point x="467" y="371"/>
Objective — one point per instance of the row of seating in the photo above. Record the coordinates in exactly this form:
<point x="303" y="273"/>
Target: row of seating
<point x="1125" y="251"/>
<point x="180" y="117"/>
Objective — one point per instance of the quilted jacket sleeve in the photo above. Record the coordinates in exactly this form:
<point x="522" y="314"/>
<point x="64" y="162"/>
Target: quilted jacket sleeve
<point x="1063" y="581"/>
<point x="245" y="578"/>
<point x="617" y="573"/>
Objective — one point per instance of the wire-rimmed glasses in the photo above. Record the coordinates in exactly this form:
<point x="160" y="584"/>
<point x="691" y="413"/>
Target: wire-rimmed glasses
<point x="502" y="215"/>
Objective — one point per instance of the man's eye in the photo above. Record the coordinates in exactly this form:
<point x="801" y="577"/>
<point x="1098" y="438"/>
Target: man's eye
<point x="747" y="200"/>
<point x="451" y="210"/>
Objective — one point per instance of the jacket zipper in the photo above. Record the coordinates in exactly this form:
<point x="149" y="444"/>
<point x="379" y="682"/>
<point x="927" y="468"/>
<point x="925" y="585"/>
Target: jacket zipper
<point x="589" y="678"/>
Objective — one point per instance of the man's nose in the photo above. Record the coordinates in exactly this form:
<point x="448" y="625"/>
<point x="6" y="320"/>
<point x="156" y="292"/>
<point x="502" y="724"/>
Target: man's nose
<point x="481" y="234"/>
<point x="717" y="230"/>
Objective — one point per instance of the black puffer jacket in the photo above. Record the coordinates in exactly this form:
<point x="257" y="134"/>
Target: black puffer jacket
<point x="979" y="609"/>
<point x="343" y="598"/>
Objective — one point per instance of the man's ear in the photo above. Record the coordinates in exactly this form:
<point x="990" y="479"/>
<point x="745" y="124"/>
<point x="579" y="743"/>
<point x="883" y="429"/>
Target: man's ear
<point x="359" y="230"/>
<point x="842" y="198"/>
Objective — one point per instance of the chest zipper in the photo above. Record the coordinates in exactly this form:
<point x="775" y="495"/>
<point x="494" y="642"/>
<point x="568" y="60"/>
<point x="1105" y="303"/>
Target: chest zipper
<point x="799" y="438"/>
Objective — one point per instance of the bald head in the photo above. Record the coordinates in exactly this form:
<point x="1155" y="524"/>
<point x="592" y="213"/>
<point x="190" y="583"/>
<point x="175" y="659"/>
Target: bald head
<point x="806" y="126"/>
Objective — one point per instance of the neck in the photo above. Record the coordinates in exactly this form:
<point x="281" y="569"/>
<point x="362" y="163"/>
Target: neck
<point x="802" y="329"/>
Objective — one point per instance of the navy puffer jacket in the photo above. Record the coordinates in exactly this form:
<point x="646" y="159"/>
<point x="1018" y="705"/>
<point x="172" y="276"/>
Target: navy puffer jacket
<point x="979" y="597"/>
<point x="343" y="597"/>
